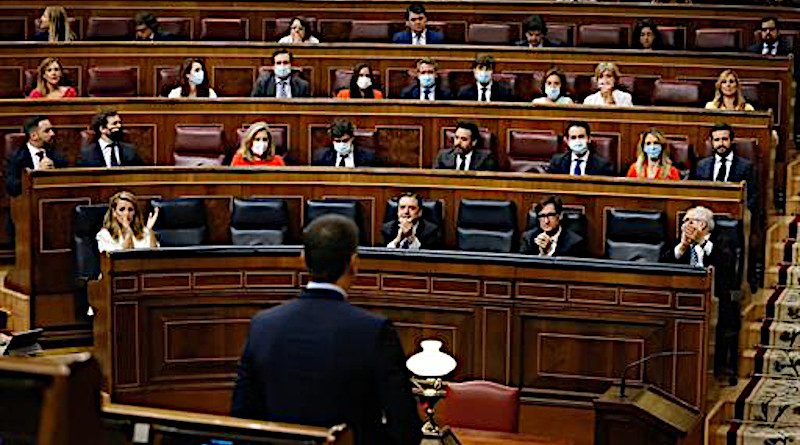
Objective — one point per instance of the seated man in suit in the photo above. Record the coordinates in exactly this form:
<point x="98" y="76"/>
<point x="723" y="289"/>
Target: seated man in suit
<point x="418" y="33"/>
<point x="771" y="42"/>
<point x="534" y="29"/>
<point x="148" y="29"/>
<point x="343" y="152"/>
<point x="410" y="230"/>
<point x="428" y="85"/>
<point x="580" y="160"/>
<point x="108" y="148"/>
<point x="318" y="360"/>
<point x="551" y="238"/>
<point x="485" y="89"/>
<point x="465" y="153"/>
<point x="280" y="83"/>
<point x="725" y="166"/>
<point x="37" y="153"/>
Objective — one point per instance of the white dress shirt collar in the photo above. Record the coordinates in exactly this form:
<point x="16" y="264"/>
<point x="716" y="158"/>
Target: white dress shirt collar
<point x="105" y="147"/>
<point x="420" y="39"/>
<point x="431" y="95"/>
<point x="349" y="161"/>
<point x="718" y="165"/>
<point x="467" y="160"/>
<point x="574" y="158"/>
<point x="312" y="285"/>
<point x="487" y="91"/>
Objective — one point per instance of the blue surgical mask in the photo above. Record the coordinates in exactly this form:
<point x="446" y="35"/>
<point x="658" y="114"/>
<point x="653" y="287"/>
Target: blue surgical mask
<point x="343" y="148"/>
<point x="282" y="70"/>
<point x="552" y="92"/>
<point x="653" y="151"/>
<point x="197" y="77"/>
<point x="426" y="80"/>
<point x="578" y="146"/>
<point x="483" y="76"/>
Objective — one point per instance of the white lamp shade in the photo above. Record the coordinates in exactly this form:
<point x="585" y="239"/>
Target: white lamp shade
<point x="431" y="362"/>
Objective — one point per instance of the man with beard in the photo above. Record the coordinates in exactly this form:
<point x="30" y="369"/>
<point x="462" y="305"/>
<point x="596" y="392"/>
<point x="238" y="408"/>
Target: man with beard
<point x="410" y="230"/>
<point x="725" y="166"/>
<point x="36" y="154"/>
<point x="771" y="42"/>
<point x="465" y="153"/>
<point x="108" y="148"/>
<point x="551" y="238"/>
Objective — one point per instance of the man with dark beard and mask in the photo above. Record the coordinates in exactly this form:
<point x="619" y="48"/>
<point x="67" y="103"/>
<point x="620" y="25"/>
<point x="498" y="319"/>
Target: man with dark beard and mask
<point x="580" y="160"/>
<point x="343" y="152"/>
<point x="108" y="148"/>
<point x="551" y="238"/>
<point x="466" y="154"/>
<point x="725" y="166"/>
<point x="36" y="154"/>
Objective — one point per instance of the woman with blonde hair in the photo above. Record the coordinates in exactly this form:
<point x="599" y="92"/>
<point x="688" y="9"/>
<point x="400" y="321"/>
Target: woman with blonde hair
<point x="54" y="25"/>
<point x="729" y="94"/>
<point x="123" y="227"/>
<point x="48" y="84"/>
<point x="607" y="77"/>
<point x="653" y="161"/>
<point x="257" y="148"/>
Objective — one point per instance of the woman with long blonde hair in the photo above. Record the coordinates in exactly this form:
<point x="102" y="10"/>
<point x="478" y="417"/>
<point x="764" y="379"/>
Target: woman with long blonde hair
<point x="48" y="84"/>
<point x="257" y="148"/>
<point x="653" y="160"/>
<point x="123" y="227"/>
<point x="729" y="94"/>
<point x="54" y="25"/>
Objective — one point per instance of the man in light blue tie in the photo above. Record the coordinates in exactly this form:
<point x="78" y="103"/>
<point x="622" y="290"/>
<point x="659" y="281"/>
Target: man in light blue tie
<point x="280" y="83"/>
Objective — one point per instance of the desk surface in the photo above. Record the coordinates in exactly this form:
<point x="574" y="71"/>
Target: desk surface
<point x="477" y="437"/>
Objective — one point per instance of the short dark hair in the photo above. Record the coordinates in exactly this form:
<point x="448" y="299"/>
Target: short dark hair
<point x="561" y="76"/>
<point x="474" y="131"/>
<point x="32" y="124"/>
<point x="282" y="51"/>
<point x="774" y="19"/>
<point x="552" y="199"/>
<point x="581" y="124"/>
<point x="534" y="23"/>
<point x="720" y="126"/>
<point x="412" y="195"/>
<point x="100" y="120"/>
<point x="329" y="242"/>
<point x="146" y="19"/>
<point x="416" y="8"/>
<point x="341" y="126"/>
<point x="483" y="60"/>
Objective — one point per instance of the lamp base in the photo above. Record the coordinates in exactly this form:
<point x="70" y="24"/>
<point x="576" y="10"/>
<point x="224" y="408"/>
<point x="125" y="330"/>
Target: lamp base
<point x="445" y="436"/>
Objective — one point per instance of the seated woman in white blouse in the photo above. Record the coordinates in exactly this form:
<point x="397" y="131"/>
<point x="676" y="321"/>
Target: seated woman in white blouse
<point x="607" y="75"/>
<point x="123" y="227"/>
<point x="299" y="32"/>
<point x="194" y="81"/>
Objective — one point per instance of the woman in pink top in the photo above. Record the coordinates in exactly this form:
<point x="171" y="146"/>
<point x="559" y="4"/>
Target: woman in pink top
<point x="48" y="86"/>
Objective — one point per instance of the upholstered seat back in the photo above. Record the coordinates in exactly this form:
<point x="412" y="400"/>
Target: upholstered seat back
<point x="487" y="225"/>
<point x="88" y="221"/>
<point x="259" y="221"/>
<point x="480" y="405"/>
<point x="181" y="221"/>
<point x="635" y="235"/>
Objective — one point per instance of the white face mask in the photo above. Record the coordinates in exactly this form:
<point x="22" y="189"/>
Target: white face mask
<point x="364" y="82"/>
<point x="282" y="70"/>
<point x="578" y="146"/>
<point x="259" y="147"/>
<point x="197" y="77"/>
<point x="343" y="148"/>
<point x="552" y="92"/>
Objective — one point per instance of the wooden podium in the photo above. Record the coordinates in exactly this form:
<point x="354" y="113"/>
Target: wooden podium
<point x="647" y="416"/>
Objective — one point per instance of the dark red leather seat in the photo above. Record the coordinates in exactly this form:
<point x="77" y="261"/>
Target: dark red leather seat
<point x="480" y="405"/>
<point x="223" y="29"/>
<point x="673" y="37"/>
<point x="113" y="81"/>
<point x="676" y="93"/>
<point x="180" y="28"/>
<point x="370" y="31"/>
<point x="561" y="33"/>
<point x="603" y="36"/>
<point x="530" y="151"/>
<point x="718" y="39"/>
<point x="199" y="145"/>
<point x="110" y="28"/>
<point x="490" y="34"/>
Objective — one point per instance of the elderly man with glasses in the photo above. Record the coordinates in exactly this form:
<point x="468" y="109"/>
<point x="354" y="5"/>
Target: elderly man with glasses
<point x="550" y="238"/>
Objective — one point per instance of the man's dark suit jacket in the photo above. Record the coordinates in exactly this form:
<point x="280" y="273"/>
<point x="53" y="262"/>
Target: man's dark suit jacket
<point x="317" y="360"/>
<point x="91" y="155"/>
<point x="429" y="234"/>
<point x="364" y="157"/>
<point x="19" y="161"/>
<point x="741" y="170"/>
<point x="722" y="257"/>
<point x="596" y="165"/>
<point x="569" y="243"/>
<point x="431" y="37"/>
<point x="783" y="48"/>
<point x="482" y="160"/>
<point x="265" y="86"/>
<point x="545" y="43"/>
<point x="413" y="92"/>
<point x="501" y="92"/>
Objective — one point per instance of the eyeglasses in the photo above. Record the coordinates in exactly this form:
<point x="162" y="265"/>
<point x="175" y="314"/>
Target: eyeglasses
<point x="686" y="220"/>
<point x="546" y="215"/>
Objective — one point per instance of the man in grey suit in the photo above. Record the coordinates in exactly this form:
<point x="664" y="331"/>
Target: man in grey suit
<point x="280" y="83"/>
<point x="465" y="153"/>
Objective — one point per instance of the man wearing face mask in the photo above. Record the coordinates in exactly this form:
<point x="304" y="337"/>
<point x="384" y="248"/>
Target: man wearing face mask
<point x="410" y="230"/>
<point x="466" y="153"/>
<point x="551" y="238"/>
<point x="580" y="160"/>
<point x="37" y="153"/>
<point x="343" y="152"/>
<point x="725" y="166"/>
<point x="280" y="83"/>
<point x="108" y="148"/>
<point x="485" y="89"/>
<point x="427" y="87"/>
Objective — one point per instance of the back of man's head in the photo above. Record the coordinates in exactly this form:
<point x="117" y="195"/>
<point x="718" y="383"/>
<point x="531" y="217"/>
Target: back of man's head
<point x="146" y="19"/>
<point x="32" y="125"/>
<point x="329" y="242"/>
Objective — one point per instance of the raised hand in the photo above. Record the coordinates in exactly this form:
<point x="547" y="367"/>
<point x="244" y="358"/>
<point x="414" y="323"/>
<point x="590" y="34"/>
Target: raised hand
<point x="152" y="218"/>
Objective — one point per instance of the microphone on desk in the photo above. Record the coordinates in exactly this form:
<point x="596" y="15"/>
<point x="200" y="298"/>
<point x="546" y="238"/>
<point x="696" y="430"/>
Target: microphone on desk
<point x="647" y="359"/>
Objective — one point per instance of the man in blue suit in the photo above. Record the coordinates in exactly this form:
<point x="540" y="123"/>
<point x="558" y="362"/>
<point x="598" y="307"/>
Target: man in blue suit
<point x="418" y="34"/>
<point x="343" y="151"/>
<point x="725" y="165"/>
<point x="317" y="360"/>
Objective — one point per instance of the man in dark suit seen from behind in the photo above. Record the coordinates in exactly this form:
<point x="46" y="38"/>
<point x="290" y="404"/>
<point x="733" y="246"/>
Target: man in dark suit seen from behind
<point x="466" y="153"/>
<point x="580" y="160"/>
<point x="148" y="28"/>
<point x="418" y="32"/>
<point x="343" y="152"/>
<point x="317" y="360"/>
<point x="280" y="83"/>
<point x="428" y="85"/>
<point x="771" y="43"/>
<point x="37" y="153"/>
<point x="410" y="230"/>
<point x="725" y="165"/>
<point x="534" y="28"/>
<point x="551" y="238"/>
<point x="485" y="89"/>
<point x="108" y="148"/>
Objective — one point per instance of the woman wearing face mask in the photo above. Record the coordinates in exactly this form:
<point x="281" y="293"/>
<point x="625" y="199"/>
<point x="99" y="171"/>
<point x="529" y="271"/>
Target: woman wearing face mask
<point x="607" y="76"/>
<point x="257" y="148"/>
<point x="123" y="227"/>
<point x="729" y="94"/>
<point x="362" y="85"/>
<point x="48" y="86"/>
<point x="653" y="161"/>
<point x="194" y="81"/>
<point x="555" y="89"/>
<point x="299" y="32"/>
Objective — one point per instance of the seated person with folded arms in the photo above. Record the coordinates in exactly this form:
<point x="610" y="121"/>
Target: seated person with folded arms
<point x="725" y="165"/>
<point x="729" y="94"/>
<point x="418" y="32"/>
<point x="466" y="153"/>
<point x="299" y="32"/>
<point x="108" y="148"/>
<point x="49" y="81"/>
<point x="148" y="28"/>
<point x="362" y="85"/>
<point x="37" y="153"/>
<point x="534" y="28"/>
<point x="551" y="238"/>
<point x="410" y="230"/>
<point x="555" y="89"/>
<point x="646" y="36"/>
<point x="280" y="83"/>
<point x="123" y="227"/>
<point x="194" y="81"/>
<point x="653" y="160"/>
<point x="580" y="160"/>
<point x="257" y="148"/>
<point x="343" y="152"/>
<point x="607" y="76"/>
<point x="428" y="85"/>
<point x="485" y="89"/>
<point x="54" y="26"/>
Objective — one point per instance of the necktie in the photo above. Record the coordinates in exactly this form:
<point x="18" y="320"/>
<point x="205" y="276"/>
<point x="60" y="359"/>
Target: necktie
<point x="281" y="88"/>
<point x="427" y="94"/>
<point x="341" y="161"/>
<point x="482" y="95"/>
<point x="721" y="172"/>
<point x="463" y="163"/>
<point x="577" y="171"/>
<point x="405" y="244"/>
<point x="418" y="38"/>
<point x="114" y="158"/>
<point x="694" y="259"/>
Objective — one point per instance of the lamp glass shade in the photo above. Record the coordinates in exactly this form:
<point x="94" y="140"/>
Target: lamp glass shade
<point x="431" y="362"/>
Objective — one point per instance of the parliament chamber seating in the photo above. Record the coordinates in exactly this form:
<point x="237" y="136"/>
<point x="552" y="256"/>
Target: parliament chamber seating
<point x="199" y="145"/>
<point x="88" y="221"/>
<point x="682" y="155"/>
<point x="531" y="151"/>
<point x="676" y="93"/>
<point x="181" y="222"/>
<point x="340" y="80"/>
<point x="221" y="30"/>
<point x="432" y="210"/>
<point x="480" y="405"/>
<point x="718" y="39"/>
<point x="280" y="27"/>
<point x="168" y="78"/>
<point x="603" y="36"/>
<point x="349" y="208"/>
<point x="71" y="77"/>
<point x="491" y="34"/>
<point x="561" y="33"/>
<point x="672" y="37"/>
<point x="109" y="28"/>
<point x="279" y="138"/>
<point x="369" y="31"/>
<point x="259" y="222"/>
<point x="732" y="231"/>
<point x="487" y="225"/>
<point x="108" y="81"/>
<point x="572" y="218"/>
<point x="13" y="142"/>
<point x="635" y="235"/>
<point x="179" y="28"/>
